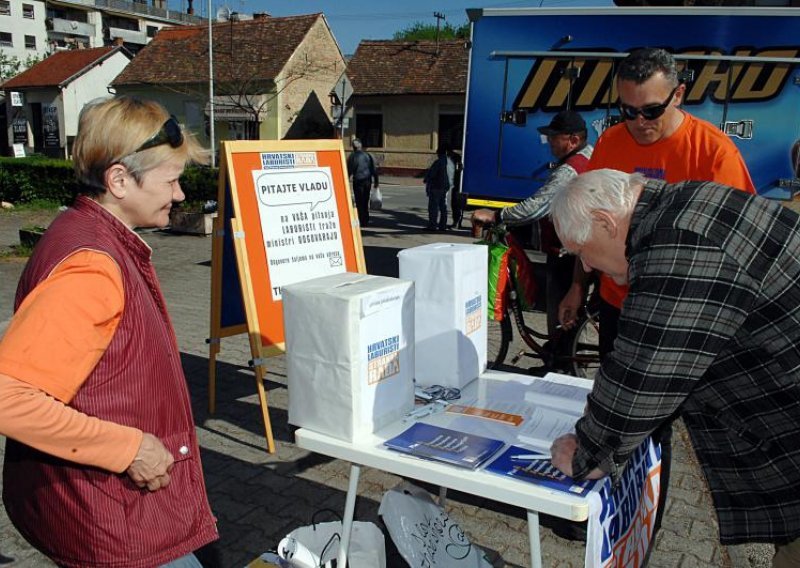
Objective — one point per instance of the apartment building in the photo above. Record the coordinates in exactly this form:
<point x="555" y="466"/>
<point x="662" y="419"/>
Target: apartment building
<point x="37" y="28"/>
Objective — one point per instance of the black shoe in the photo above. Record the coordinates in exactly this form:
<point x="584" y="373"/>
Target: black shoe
<point x="431" y="228"/>
<point x="568" y="530"/>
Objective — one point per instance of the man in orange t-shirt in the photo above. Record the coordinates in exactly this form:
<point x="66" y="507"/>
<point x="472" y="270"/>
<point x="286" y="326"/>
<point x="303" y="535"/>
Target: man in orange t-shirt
<point x="661" y="141"/>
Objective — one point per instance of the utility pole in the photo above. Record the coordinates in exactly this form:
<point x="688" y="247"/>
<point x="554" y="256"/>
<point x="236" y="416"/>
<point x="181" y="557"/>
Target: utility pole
<point x="211" y="85"/>
<point x="439" y="17"/>
<point x="344" y="107"/>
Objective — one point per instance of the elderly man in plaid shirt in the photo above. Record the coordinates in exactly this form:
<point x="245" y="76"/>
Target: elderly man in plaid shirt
<point x="710" y="331"/>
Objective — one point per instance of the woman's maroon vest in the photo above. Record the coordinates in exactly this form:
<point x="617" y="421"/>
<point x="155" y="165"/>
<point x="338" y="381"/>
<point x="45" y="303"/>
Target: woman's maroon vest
<point x="83" y="516"/>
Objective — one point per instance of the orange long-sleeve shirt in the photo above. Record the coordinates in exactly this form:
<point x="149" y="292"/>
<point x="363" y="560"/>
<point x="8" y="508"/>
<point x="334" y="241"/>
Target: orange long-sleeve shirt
<point x="55" y="339"/>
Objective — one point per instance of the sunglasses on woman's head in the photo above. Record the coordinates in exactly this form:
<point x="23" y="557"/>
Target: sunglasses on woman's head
<point x="649" y="112"/>
<point x="169" y="133"/>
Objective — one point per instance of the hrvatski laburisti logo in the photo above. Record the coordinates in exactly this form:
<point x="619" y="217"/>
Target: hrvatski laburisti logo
<point x="473" y="310"/>
<point x="383" y="359"/>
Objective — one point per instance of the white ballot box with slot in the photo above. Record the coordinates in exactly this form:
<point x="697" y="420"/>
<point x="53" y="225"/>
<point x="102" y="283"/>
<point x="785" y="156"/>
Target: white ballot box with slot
<point x="450" y="315"/>
<point x="349" y="352"/>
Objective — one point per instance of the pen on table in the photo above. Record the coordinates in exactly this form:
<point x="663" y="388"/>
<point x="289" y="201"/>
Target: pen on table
<point x="531" y="457"/>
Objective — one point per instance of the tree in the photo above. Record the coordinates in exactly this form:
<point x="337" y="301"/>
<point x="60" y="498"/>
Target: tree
<point x="11" y="65"/>
<point x="419" y="30"/>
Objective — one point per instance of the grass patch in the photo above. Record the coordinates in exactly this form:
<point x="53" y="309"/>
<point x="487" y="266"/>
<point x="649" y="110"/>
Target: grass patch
<point x="35" y="205"/>
<point x="16" y="252"/>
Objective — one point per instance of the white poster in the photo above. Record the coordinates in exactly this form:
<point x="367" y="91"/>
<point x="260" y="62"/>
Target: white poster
<point x="300" y="225"/>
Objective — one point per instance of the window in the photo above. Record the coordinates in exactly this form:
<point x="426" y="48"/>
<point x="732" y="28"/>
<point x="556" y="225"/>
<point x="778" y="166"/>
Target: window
<point x="30" y="42"/>
<point x="152" y="31"/>
<point x="65" y="14"/>
<point x="121" y="23"/>
<point x="369" y="129"/>
<point x="5" y="8"/>
<point x="27" y="11"/>
<point x="5" y="39"/>
<point x="451" y="130"/>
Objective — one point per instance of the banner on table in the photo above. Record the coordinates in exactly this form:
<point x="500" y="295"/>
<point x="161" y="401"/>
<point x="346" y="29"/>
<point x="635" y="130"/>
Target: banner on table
<point x="621" y="517"/>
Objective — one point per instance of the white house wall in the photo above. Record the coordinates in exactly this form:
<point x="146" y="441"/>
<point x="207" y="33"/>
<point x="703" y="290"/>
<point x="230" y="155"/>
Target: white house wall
<point x="314" y="67"/>
<point x="89" y="86"/>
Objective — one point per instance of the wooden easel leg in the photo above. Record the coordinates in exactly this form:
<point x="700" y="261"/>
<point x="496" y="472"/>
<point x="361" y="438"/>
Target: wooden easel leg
<point x="262" y="397"/>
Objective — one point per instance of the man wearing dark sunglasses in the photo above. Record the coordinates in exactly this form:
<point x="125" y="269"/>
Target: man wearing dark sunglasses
<point x="660" y="140"/>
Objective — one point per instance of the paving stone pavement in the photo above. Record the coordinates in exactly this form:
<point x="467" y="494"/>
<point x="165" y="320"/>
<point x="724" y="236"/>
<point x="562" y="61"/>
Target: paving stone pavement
<point x="258" y="497"/>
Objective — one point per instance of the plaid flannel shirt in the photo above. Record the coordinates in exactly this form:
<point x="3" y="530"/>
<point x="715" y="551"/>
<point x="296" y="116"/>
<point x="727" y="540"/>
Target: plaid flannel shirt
<point x="710" y="330"/>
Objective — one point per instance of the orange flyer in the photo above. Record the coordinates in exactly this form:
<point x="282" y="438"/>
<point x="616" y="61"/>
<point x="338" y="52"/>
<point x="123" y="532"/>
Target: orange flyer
<point x="513" y="419"/>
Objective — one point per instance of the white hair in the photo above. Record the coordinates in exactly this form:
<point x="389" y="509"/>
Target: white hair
<point x="598" y="190"/>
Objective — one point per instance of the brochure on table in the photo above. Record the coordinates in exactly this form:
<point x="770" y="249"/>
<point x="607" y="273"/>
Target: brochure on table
<point x="444" y="445"/>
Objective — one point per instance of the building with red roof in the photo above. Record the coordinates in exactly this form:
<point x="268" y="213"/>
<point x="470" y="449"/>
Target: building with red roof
<point x="42" y="103"/>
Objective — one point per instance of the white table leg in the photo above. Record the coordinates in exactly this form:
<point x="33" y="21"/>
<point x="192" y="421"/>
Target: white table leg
<point x="535" y="541"/>
<point x="349" y="511"/>
<point x="443" y="497"/>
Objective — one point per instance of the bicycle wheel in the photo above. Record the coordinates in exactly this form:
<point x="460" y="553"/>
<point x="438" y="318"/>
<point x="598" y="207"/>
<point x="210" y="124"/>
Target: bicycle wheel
<point x="498" y="335"/>
<point x="585" y="347"/>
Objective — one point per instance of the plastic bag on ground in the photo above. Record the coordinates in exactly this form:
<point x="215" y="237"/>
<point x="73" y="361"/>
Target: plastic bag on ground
<point x="317" y="544"/>
<point x="424" y="534"/>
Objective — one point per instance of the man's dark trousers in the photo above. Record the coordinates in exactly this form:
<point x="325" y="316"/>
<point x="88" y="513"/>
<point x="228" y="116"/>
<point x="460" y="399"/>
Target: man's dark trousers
<point x="361" y="188"/>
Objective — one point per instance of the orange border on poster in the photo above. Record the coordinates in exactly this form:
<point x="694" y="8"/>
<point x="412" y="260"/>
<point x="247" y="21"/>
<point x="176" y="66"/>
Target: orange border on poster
<point x="265" y="316"/>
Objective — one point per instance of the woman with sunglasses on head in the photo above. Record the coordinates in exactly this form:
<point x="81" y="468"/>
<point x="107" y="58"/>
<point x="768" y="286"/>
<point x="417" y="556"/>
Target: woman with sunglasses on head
<point x="660" y="140"/>
<point x="102" y="466"/>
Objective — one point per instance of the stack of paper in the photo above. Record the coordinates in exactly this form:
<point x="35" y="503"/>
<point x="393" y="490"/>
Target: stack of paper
<point x="558" y="402"/>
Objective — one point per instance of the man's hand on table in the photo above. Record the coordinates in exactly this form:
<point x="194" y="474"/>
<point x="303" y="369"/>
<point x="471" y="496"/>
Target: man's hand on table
<point x="563" y="451"/>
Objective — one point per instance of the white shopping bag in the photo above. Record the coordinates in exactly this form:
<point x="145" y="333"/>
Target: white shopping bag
<point x="315" y="545"/>
<point x="424" y="534"/>
<point x="375" y="199"/>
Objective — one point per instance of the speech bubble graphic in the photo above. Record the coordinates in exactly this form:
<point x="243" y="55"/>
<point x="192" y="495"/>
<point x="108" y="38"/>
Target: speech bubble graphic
<point x="295" y="187"/>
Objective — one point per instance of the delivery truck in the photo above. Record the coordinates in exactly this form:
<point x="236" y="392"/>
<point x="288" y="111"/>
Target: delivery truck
<point x="740" y="66"/>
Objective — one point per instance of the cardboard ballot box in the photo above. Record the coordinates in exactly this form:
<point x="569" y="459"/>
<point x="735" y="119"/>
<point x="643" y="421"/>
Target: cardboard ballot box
<point x="349" y="352"/>
<point x="450" y="282"/>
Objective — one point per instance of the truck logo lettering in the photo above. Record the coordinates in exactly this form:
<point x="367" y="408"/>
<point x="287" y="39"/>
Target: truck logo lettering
<point x="548" y="87"/>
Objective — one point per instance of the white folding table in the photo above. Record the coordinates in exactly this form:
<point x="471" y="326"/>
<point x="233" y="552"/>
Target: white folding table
<point x="371" y="452"/>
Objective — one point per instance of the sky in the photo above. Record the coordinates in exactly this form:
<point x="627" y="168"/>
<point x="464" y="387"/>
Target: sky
<point x="354" y="20"/>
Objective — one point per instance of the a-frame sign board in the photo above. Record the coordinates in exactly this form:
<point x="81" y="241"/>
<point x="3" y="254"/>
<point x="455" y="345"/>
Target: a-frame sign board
<point x="285" y="216"/>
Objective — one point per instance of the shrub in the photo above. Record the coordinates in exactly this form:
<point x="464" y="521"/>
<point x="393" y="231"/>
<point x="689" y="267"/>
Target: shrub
<point x="23" y="180"/>
<point x="26" y="180"/>
<point x="199" y="183"/>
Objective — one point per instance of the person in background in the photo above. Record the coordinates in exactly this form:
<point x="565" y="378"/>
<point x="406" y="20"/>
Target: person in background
<point x="710" y="330"/>
<point x="361" y="167"/>
<point x="102" y="465"/>
<point x="456" y="197"/>
<point x="659" y="140"/>
<point x="438" y="183"/>
<point x="566" y="136"/>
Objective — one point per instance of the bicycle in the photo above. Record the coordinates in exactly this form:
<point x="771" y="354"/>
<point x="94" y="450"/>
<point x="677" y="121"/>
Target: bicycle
<point x="574" y="351"/>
